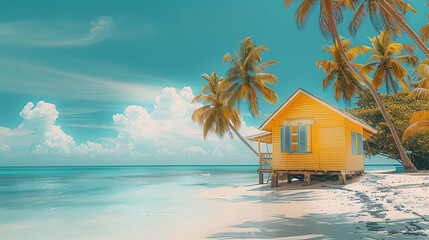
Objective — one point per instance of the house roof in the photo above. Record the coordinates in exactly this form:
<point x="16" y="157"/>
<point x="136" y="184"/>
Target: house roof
<point x="258" y="135"/>
<point x="262" y="136"/>
<point x="327" y="104"/>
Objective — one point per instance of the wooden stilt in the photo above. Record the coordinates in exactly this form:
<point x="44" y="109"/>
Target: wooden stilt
<point x="307" y="178"/>
<point x="342" y="179"/>
<point x="274" y="180"/>
<point x="277" y="180"/>
<point x="261" y="178"/>
<point x="289" y="178"/>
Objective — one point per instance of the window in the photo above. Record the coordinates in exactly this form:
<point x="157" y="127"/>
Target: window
<point x="295" y="139"/>
<point x="357" y="144"/>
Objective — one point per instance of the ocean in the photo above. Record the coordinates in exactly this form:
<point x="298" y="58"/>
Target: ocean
<point x="113" y="202"/>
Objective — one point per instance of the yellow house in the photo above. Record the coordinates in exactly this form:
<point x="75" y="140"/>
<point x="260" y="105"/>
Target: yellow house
<point x="309" y="136"/>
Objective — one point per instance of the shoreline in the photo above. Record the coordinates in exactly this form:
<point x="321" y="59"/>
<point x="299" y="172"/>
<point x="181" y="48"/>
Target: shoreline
<point x="210" y="204"/>
<point x="379" y="204"/>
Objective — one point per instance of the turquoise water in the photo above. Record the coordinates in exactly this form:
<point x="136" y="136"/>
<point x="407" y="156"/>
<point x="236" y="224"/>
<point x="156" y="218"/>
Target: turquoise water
<point x="108" y="202"/>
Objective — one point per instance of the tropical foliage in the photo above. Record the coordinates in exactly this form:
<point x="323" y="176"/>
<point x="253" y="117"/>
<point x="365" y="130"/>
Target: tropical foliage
<point x="419" y="124"/>
<point x="247" y="78"/>
<point x="402" y="107"/>
<point x="386" y="62"/>
<point x="345" y="83"/>
<point x="421" y="87"/>
<point x="331" y="14"/>
<point x="215" y="116"/>
<point x="424" y="31"/>
<point x="380" y="18"/>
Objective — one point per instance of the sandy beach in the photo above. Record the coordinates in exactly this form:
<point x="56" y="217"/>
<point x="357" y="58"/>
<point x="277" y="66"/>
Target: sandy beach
<point x="378" y="205"/>
<point x="214" y="202"/>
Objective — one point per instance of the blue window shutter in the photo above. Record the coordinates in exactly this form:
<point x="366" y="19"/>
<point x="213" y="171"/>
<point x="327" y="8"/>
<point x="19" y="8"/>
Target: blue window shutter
<point x="283" y="139"/>
<point x="360" y="138"/>
<point x="302" y="138"/>
<point x="354" y="150"/>
<point x="288" y="142"/>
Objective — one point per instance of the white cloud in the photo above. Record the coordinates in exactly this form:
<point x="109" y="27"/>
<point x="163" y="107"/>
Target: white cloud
<point x="163" y="134"/>
<point x="195" y="150"/>
<point x="170" y="121"/>
<point x="48" y="34"/>
<point x="168" y="128"/>
<point x="165" y="152"/>
<point x="38" y="134"/>
<point x="4" y="148"/>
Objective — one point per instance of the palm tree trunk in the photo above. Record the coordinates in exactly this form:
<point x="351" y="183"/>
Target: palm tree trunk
<point x="242" y="139"/>
<point x="408" y="165"/>
<point x="392" y="82"/>
<point x="398" y="18"/>
<point x="407" y="86"/>
<point x="409" y="79"/>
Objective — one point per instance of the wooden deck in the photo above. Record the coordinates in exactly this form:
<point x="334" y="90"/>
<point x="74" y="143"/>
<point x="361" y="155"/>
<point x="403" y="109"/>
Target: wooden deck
<point x="288" y="175"/>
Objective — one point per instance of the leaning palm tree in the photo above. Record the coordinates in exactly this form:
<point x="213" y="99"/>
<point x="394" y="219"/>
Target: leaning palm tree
<point x="386" y="63"/>
<point x="330" y="15"/>
<point x="216" y="116"/>
<point x="346" y="85"/>
<point x="388" y="14"/>
<point x="247" y="78"/>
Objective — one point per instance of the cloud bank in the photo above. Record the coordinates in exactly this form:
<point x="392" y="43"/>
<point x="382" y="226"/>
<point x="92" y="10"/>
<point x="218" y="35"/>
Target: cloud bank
<point x="165" y="135"/>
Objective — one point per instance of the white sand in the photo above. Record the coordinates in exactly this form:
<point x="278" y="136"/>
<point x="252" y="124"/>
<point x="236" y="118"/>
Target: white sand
<point x="379" y="205"/>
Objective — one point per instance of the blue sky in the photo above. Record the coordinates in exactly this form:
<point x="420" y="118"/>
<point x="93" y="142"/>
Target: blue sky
<point x="89" y="61"/>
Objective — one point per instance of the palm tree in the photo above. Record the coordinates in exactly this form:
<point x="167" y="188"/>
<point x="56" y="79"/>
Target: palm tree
<point x="216" y="116"/>
<point x="247" y="78"/>
<point x="330" y="15"/>
<point x="390" y="14"/>
<point x="386" y="62"/>
<point x="346" y="85"/>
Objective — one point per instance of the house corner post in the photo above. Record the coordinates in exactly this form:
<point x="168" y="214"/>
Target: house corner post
<point x="307" y="178"/>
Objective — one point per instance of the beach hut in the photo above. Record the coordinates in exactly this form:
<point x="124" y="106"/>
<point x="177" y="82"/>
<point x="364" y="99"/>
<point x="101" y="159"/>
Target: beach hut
<point x="309" y="136"/>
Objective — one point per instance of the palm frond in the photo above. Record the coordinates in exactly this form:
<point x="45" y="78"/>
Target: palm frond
<point x="423" y="68"/>
<point x="357" y="20"/>
<point x="412" y="61"/>
<point x="247" y="71"/>
<point x="424" y="33"/>
<point x="415" y="128"/>
<point x="302" y="13"/>
<point x="421" y="93"/>
<point x="419" y="116"/>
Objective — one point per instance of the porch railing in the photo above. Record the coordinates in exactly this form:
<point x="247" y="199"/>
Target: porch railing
<point x="266" y="156"/>
<point x="265" y="161"/>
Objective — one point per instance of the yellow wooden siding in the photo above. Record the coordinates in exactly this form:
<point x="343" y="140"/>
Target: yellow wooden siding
<point x="354" y="162"/>
<point x="332" y="145"/>
<point x="327" y="123"/>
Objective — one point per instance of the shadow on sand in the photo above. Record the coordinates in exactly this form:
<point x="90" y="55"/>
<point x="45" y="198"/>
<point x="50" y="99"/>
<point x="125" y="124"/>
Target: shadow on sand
<point x="321" y="226"/>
